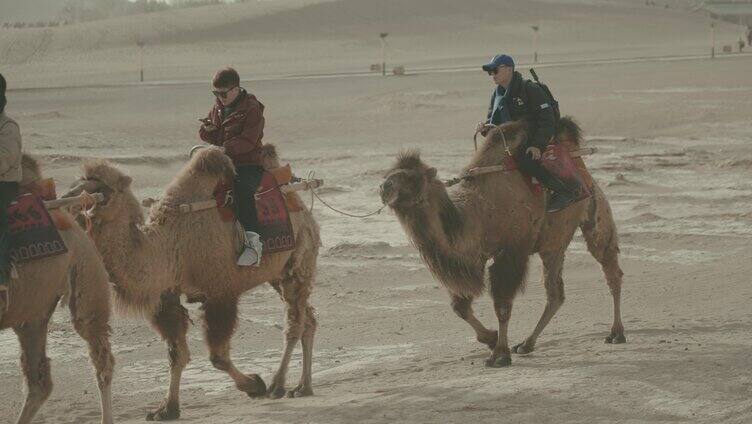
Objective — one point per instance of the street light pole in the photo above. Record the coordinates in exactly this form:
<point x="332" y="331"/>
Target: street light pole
<point x="141" y="43"/>
<point x="382" y="37"/>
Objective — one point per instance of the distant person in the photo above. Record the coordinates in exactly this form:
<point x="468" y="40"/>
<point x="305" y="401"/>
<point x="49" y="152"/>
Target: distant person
<point x="10" y="176"/>
<point x="236" y="123"/>
<point x="741" y="45"/>
<point x="749" y="35"/>
<point x="514" y="99"/>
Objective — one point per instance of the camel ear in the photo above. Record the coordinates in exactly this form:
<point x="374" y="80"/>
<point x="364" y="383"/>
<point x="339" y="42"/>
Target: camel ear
<point x="124" y="182"/>
<point x="431" y="173"/>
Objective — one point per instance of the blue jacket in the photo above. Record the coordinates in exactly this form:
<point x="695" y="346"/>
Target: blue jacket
<point x="524" y="99"/>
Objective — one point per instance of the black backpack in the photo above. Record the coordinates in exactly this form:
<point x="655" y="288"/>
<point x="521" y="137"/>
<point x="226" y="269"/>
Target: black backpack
<point x="551" y="100"/>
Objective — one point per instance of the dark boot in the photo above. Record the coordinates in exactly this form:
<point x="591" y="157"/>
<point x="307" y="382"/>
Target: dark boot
<point x="564" y="193"/>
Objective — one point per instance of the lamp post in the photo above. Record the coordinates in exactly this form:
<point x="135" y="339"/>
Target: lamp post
<point x="535" y="43"/>
<point x="382" y="37"/>
<point x="141" y="43"/>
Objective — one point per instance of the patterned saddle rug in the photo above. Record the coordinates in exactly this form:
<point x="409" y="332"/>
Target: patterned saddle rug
<point x="272" y="207"/>
<point x="33" y="229"/>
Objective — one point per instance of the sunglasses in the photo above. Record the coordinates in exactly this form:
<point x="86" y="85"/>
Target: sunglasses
<point x="222" y="94"/>
<point x="495" y="71"/>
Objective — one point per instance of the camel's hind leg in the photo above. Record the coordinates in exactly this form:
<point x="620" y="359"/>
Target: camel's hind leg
<point x="463" y="307"/>
<point x="601" y="237"/>
<point x="90" y="312"/>
<point x="553" y="263"/>
<point x="171" y="322"/>
<point x="35" y="365"/>
<point x="220" y="319"/>
<point x="295" y="291"/>
<point x="507" y="275"/>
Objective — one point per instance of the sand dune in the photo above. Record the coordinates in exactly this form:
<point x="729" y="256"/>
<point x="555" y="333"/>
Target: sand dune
<point x="311" y="36"/>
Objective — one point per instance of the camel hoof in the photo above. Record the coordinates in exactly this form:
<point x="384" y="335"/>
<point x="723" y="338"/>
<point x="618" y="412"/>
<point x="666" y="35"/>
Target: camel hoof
<point x="254" y="386"/>
<point x="500" y="362"/>
<point x="300" y="391"/>
<point x="164" y="413"/>
<point x="614" y="338"/>
<point x="522" y="349"/>
<point x="276" y="391"/>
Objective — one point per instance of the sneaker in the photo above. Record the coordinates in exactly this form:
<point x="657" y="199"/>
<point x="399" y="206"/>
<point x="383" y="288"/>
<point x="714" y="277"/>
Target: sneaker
<point x="251" y="255"/>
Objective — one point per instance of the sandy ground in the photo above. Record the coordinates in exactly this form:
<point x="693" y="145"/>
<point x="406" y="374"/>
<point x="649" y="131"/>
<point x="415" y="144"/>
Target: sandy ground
<point x="674" y="158"/>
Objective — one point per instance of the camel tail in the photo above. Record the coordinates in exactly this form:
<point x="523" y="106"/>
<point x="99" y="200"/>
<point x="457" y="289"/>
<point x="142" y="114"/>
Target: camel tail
<point x="569" y="131"/>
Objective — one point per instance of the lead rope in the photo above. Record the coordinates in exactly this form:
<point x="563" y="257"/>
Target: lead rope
<point x="88" y="203"/>
<point x="315" y="195"/>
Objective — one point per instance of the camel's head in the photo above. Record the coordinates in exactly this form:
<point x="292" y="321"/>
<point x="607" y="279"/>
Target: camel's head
<point x="406" y="183"/>
<point x="269" y="156"/>
<point x="99" y="176"/>
<point x="30" y="170"/>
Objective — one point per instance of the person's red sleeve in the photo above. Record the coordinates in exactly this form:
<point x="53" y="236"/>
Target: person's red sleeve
<point x="249" y="138"/>
<point x="211" y="137"/>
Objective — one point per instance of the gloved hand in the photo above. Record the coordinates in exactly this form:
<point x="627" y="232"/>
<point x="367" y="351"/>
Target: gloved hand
<point x="533" y="152"/>
<point x="483" y="128"/>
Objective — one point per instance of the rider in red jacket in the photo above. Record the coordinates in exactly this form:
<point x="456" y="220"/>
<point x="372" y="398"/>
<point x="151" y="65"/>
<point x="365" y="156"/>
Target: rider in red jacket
<point x="236" y="123"/>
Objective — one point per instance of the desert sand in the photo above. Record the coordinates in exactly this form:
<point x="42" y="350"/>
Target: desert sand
<point x="674" y="158"/>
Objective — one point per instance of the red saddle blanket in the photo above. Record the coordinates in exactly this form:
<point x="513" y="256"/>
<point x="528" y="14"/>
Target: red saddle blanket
<point x="275" y="227"/>
<point x="33" y="233"/>
<point x="557" y="160"/>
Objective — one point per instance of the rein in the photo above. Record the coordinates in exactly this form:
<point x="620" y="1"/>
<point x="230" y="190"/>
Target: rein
<point x="480" y="170"/>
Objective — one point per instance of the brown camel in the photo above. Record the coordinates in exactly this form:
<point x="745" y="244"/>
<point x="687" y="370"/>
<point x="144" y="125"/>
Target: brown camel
<point x="78" y="276"/>
<point x="497" y="216"/>
<point x="152" y="264"/>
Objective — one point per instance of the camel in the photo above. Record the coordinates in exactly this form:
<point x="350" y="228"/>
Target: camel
<point x="498" y="217"/>
<point x="78" y="276"/>
<point x="152" y="264"/>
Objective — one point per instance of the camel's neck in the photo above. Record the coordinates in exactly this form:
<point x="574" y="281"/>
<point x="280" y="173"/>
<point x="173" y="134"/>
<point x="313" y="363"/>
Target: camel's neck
<point x="437" y="221"/>
<point x="130" y="256"/>
<point x="446" y="241"/>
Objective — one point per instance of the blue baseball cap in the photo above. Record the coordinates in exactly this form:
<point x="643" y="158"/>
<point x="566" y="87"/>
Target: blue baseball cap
<point x="498" y="60"/>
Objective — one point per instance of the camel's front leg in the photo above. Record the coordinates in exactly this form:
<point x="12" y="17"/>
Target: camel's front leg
<point x="294" y="291"/>
<point x="171" y="322"/>
<point x="463" y="307"/>
<point x="220" y="319"/>
<point x="507" y="275"/>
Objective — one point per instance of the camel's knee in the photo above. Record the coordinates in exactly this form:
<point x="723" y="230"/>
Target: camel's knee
<point x="556" y="298"/>
<point x="461" y="306"/>
<point x="101" y="356"/>
<point x="555" y="293"/>
<point x="614" y="276"/>
<point x="38" y="378"/>
<point x="220" y="362"/>
<point x="220" y="318"/>
<point x="311" y="322"/>
<point x="504" y="311"/>
<point x="179" y="354"/>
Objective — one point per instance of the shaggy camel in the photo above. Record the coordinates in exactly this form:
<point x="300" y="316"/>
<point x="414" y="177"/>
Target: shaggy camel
<point x="497" y="216"/>
<point x="80" y="277"/>
<point x="152" y="264"/>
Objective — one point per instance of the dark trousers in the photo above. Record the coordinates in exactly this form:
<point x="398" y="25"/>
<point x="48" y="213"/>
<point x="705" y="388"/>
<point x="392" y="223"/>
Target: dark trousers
<point x="8" y="193"/>
<point x="531" y="167"/>
<point x="534" y="168"/>
<point x="247" y="181"/>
